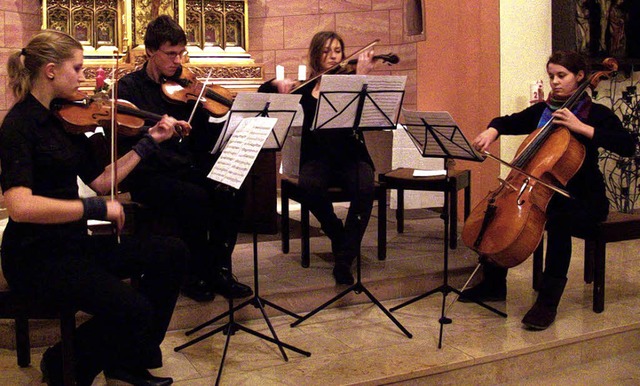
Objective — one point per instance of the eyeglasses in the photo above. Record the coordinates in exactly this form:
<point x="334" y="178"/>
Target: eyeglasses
<point x="174" y="55"/>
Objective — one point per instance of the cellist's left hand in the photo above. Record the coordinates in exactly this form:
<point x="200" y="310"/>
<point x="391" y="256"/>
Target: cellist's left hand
<point x="564" y="117"/>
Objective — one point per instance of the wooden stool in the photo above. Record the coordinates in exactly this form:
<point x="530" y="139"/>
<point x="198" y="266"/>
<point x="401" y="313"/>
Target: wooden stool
<point x="617" y="227"/>
<point x="289" y="189"/>
<point x="402" y="179"/>
<point x="20" y="309"/>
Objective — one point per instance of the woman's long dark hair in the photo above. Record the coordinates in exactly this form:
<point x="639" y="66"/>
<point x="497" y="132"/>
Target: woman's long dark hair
<point x="316" y="49"/>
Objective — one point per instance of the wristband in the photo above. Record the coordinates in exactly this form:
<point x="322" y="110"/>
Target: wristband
<point x="95" y="208"/>
<point x="145" y="146"/>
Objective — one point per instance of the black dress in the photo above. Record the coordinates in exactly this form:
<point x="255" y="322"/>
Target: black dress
<point x="61" y="264"/>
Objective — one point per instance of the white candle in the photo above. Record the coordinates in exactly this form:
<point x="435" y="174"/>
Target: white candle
<point x="279" y="72"/>
<point x="302" y="72"/>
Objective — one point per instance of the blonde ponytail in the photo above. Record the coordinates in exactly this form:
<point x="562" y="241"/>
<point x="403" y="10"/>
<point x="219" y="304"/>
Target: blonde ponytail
<point x="48" y="46"/>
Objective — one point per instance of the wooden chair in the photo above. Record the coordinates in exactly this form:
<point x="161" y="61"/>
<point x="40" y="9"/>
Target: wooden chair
<point x="379" y="144"/>
<point x="21" y="310"/>
<point x="290" y="190"/>
<point x="402" y="179"/>
<point x="617" y="227"/>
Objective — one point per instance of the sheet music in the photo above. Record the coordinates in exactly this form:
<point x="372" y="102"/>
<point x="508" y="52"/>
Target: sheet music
<point x="285" y="107"/>
<point x="339" y="96"/>
<point x="436" y="134"/>
<point x="241" y="151"/>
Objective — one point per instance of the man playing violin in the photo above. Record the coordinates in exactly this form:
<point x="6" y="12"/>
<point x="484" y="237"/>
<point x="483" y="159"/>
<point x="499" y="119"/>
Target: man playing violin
<point x="173" y="180"/>
<point x="337" y="157"/>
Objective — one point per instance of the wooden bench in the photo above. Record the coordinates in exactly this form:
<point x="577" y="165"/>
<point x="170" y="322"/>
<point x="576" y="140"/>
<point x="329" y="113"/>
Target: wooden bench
<point x="21" y="310"/>
<point x="617" y="227"/>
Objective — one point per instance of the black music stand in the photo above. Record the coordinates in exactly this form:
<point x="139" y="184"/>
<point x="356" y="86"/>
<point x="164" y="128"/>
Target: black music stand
<point x="274" y="142"/>
<point x="436" y="134"/>
<point x="358" y="103"/>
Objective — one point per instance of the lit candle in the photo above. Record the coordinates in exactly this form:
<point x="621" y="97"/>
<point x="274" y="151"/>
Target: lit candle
<point x="100" y="75"/>
<point x="302" y="72"/>
<point x="279" y="72"/>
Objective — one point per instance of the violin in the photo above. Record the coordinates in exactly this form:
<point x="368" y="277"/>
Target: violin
<point x="508" y="224"/>
<point x="348" y="65"/>
<point x="216" y="99"/>
<point x="83" y="114"/>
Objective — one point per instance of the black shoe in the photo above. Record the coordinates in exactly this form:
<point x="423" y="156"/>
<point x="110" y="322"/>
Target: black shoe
<point x="539" y="317"/>
<point x="142" y="377"/>
<point x="485" y="292"/>
<point x="342" y="274"/>
<point x="51" y="367"/>
<point x="225" y="284"/>
<point x="199" y="290"/>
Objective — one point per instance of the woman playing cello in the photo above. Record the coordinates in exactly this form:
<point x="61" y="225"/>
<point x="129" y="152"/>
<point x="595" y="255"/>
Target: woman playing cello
<point x="594" y="126"/>
<point x="46" y="253"/>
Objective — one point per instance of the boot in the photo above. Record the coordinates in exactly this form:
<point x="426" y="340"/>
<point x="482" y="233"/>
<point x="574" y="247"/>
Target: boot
<point x="334" y="229"/>
<point x="544" y="310"/>
<point x="492" y="288"/>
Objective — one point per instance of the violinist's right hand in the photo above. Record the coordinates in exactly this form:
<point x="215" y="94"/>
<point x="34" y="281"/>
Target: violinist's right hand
<point x="167" y="127"/>
<point x="115" y="213"/>
<point x="484" y="139"/>
<point x="284" y="86"/>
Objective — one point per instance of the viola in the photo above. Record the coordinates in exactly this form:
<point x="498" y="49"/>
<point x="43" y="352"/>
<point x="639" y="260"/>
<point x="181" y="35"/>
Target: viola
<point x="508" y="224"/>
<point x="216" y="99"/>
<point x="84" y="113"/>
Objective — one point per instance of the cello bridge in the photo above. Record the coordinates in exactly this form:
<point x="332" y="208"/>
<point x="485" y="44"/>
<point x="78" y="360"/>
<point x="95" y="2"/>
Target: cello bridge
<point x="525" y="185"/>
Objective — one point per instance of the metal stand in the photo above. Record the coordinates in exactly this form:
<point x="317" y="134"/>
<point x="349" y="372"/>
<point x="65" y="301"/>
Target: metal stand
<point x="445" y="288"/>
<point x="232" y="326"/>
<point x="357" y="287"/>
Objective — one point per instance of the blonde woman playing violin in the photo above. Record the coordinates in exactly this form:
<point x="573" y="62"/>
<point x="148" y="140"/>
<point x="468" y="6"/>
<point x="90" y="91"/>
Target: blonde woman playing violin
<point x="46" y="252"/>
<point x="330" y="158"/>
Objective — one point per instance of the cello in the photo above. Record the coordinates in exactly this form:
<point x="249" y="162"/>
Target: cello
<point x="508" y="224"/>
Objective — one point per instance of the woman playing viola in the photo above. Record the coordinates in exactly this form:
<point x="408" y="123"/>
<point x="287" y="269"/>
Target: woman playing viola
<point x="46" y="252"/>
<point x="335" y="157"/>
<point x="595" y="126"/>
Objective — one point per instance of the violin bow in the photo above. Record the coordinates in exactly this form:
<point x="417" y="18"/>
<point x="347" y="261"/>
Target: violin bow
<point x="114" y="135"/>
<point x="343" y="63"/>
<point x="204" y="86"/>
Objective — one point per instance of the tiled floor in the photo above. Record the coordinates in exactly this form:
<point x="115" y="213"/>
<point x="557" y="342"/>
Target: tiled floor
<point x="358" y="344"/>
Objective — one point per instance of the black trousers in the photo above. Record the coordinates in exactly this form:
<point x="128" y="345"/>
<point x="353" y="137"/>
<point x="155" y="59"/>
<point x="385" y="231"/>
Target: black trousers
<point x="205" y="214"/>
<point x="357" y="179"/>
<point x="565" y="217"/>
<point x="128" y="324"/>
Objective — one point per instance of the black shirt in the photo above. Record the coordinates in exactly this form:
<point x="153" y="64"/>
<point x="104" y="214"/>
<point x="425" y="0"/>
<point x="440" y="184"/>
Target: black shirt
<point x="588" y="183"/>
<point x="37" y="153"/>
<point x="174" y="154"/>
<point x="330" y="146"/>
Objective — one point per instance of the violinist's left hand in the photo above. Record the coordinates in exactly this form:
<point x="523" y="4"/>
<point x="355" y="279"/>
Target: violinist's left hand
<point x="365" y="63"/>
<point x="167" y="127"/>
<point x="564" y="117"/>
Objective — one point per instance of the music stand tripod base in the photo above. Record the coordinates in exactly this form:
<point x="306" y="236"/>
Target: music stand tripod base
<point x="436" y="134"/>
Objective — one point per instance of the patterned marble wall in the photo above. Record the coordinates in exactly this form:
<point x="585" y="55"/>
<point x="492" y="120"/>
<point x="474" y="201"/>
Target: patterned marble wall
<point x="280" y="32"/>
<point x="19" y="20"/>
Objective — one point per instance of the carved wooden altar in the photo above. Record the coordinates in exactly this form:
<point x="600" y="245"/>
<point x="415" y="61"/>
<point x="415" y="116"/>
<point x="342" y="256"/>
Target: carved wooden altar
<point x="217" y="35"/>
